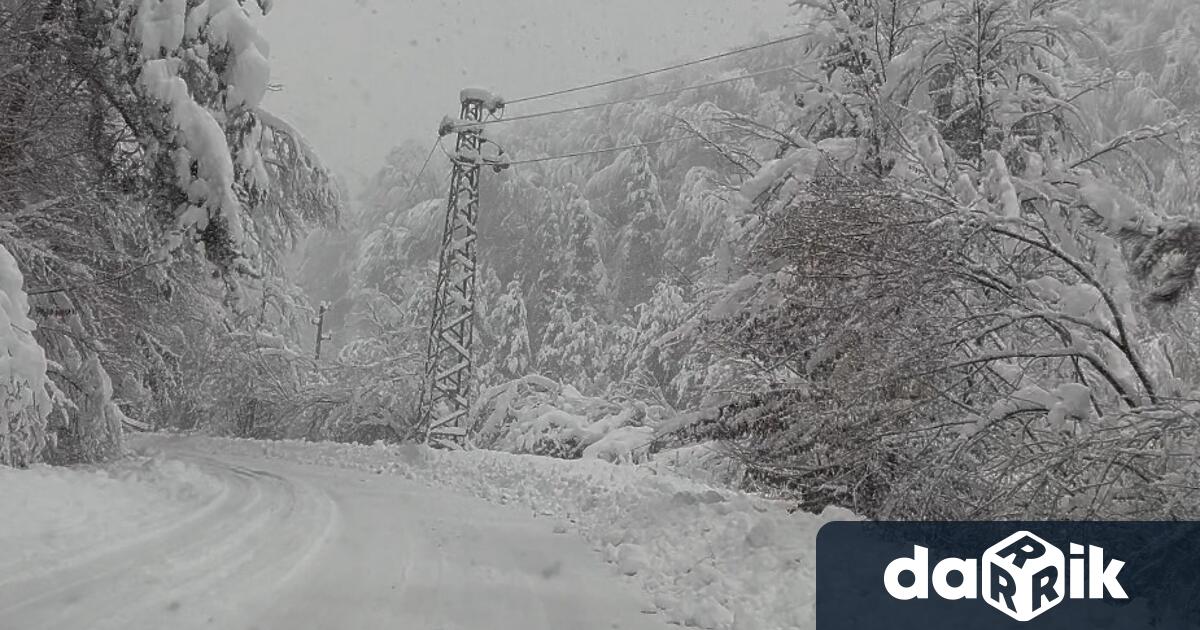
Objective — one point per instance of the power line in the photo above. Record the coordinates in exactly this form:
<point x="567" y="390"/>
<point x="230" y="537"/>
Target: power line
<point x="417" y="180"/>
<point x="631" y="99"/>
<point x="595" y="151"/>
<point x="610" y="149"/>
<point x="96" y="283"/>
<point x="1127" y="51"/>
<point x="648" y="73"/>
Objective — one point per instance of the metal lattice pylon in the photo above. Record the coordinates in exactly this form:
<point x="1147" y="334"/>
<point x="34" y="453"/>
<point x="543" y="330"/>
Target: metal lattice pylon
<point x="449" y="367"/>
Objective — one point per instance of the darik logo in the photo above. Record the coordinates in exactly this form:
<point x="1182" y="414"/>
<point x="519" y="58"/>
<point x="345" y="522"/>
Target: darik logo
<point x="1022" y="576"/>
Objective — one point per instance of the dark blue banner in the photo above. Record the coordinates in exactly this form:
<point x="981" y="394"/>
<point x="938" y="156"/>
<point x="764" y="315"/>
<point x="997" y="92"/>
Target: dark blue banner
<point x="1008" y="576"/>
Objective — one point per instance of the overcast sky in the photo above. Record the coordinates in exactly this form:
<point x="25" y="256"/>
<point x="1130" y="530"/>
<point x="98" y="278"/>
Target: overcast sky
<point x="360" y="79"/>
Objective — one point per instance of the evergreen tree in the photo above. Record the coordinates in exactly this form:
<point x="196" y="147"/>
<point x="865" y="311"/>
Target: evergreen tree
<point x="131" y="131"/>
<point x="659" y="347"/>
<point x="185" y="80"/>
<point x="510" y="354"/>
<point x="487" y="339"/>
<point x="571" y="347"/>
<point x="643" y="240"/>
<point x="584" y="278"/>
<point x="28" y="394"/>
<point x="571" y="264"/>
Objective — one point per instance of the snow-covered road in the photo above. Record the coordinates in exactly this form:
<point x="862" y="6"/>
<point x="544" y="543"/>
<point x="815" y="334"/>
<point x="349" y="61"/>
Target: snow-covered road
<point x="275" y="545"/>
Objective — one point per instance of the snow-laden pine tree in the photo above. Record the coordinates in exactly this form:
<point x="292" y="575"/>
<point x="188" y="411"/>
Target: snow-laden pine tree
<point x="131" y="129"/>
<point x="487" y="340"/>
<point x="695" y="224"/>
<point x="571" y="348"/>
<point x="28" y="393"/>
<point x="509" y="356"/>
<point x="642" y="241"/>
<point x="202" y="69"/>
<point x="658" y="348"/>
<point x="569" y="261"/>
<point x="583" y="274"/>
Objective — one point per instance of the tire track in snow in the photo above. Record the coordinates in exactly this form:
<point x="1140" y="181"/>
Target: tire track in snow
<point x="231" y="590"/>
<point x="307" y="547"/>
<point x="217" y="564"/>
<point x="24" y="588"/>
<point x="139" y="533"/>
<point x="91" y="591"/>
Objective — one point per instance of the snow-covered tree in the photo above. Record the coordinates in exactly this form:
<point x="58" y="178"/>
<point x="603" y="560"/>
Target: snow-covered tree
<point x="582" y="275"/>
<point x="130" y="129"/>
<point x="509" y="355"/>
<point x="179" y="84"/>
<point x="642" y="241"/>
<point x="217" y="165"/>
<point x="28" y="394"/>
<point x="659" y="346"/>
<point x="968" y="260"/>
<point x="571" y="349"/>
<point x="696" y="223"/>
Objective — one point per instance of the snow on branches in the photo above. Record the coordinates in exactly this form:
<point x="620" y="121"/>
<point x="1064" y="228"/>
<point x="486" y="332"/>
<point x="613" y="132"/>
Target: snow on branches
<point x="27" y="393"/>
<point x="203" y="69"/>
<point x="979" y="280"/>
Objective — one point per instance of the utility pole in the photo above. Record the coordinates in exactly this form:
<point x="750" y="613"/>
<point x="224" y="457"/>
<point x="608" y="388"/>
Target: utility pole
<point x="449" y="366"/>
<point x="319" y="322"/>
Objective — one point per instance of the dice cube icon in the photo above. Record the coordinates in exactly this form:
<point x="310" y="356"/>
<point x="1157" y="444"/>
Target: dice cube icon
<point x="1024" y="576"/>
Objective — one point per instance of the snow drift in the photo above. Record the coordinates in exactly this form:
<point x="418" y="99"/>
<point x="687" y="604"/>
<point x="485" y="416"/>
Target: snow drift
<point x="708" y="558"/>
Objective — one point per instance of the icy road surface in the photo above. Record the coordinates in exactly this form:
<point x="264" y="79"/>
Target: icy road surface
<point x="275" y="545"/>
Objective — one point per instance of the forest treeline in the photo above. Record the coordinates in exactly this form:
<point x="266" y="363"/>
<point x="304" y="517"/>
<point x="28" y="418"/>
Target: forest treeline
<point x="937" y="266"/>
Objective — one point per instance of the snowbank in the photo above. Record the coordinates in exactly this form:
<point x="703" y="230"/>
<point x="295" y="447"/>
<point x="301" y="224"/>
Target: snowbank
<point x="708" y="558"/>
<point x="535" y="415"/>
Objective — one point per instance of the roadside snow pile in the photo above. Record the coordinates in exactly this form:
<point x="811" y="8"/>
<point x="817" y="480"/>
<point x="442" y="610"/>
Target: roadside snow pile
<point x="56" y="513"/>
<point x="708" y="558"/>
<point x="537" y="416"/>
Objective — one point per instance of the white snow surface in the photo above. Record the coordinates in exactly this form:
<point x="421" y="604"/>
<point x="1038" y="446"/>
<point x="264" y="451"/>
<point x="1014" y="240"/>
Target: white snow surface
<point x="55" y="516"/>
<point x="708" y="558"/>
<point x="240" y="534"/>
